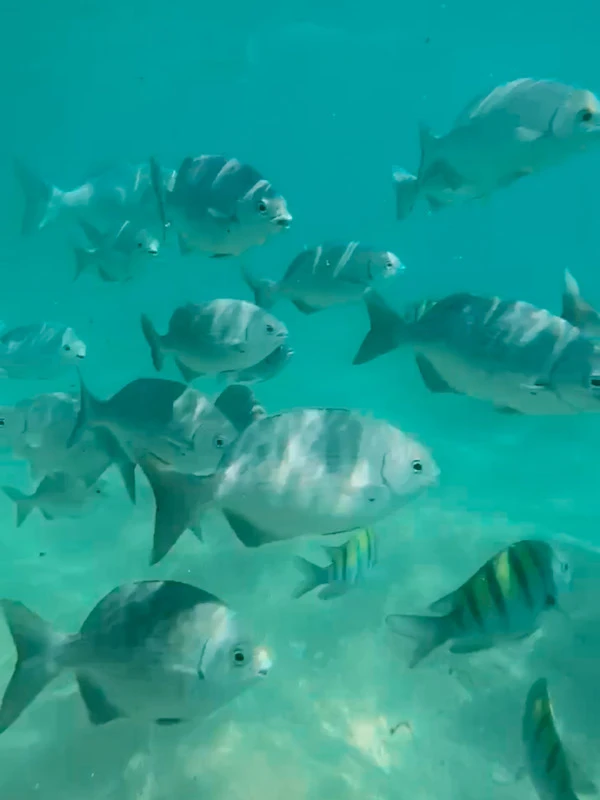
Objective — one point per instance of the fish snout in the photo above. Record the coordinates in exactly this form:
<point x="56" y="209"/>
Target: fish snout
<point x="283" y="220"/>
<point x="153" y="249"/>
<point x="262" y="661"/>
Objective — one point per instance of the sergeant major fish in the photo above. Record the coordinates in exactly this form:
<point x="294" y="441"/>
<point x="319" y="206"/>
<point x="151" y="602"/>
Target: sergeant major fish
<point x="521" y="358"/>
<point x="159" y="651"/>
<point x="503" y="600"/>
<point x="518" y="129"/>
<point x="117" y="257"/>
<point x="327" y="275"/>
<point x="39" y="351"/>
<point x="215" y="337"/>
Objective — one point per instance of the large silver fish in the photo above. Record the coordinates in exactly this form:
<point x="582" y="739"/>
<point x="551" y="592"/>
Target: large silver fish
<point x="328" y="275"/>
<point x="222" y="207"/>
<point x="519" y="357"/>
<point x="39" y="351"/>
<point x="518" y="129"/>
<point x="212" y="338"/>
<point x="116" y="257"/>
<point x="158" y="651"/>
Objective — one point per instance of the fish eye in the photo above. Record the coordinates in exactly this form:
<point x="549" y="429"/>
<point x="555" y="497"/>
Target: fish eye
<point x="66" y="348"/>
<point x="98" y="491"/>
<point x="417" y="466"/>
<point x="140" y="245"/>
<point x="262" y="206"/>
<point x="586" y="115"/>
<point x="564" y="567"/>
<point x="270" y="328"/>
<point x="595" y="382"/>
<point x="239" y="657"/>
<point x="2" y="422"/>
<point x="219" y="441"/>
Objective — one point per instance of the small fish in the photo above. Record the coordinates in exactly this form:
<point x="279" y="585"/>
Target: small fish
<point x="222" y="207"/>
<point x="172" y="422"/>
<point x="116" y="257"/>
<point x="553" y="772"/>
<point x="39" y="351"/>
<point x="159" y="651"/>
<point x="115" y="193"/>
<point x="58" y="495"/>
<point x="503" y="600"/>
<point x="517" y="129"/>
<point x="215" y="337"/>
<point x="349" y="564"/>
<point x="578" y="311"/>
<point x="328" y="275"/>
<point x="266" y="369"/>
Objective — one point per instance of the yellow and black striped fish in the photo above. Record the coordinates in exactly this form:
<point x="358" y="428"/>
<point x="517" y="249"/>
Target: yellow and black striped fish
<point x="349" y="563"/>
<point x="502" y="600"/>
<point x="547" y="762"/>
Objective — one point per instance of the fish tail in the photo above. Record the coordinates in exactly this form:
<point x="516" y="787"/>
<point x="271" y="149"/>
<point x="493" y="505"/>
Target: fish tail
<point x="83" y="260"/>
<point x="313" y="576"/>
<point x="154" y="342"/>
<point x="263" y="289"/>
<point x="39" y="206"/>
<point x="406" y="189"/>
<point x="388" y="329"/>
<point x="38" y="660"/>
<point x="428" y="632"/>
<point x="89" y="408"/>
<point x="23" y="502"/>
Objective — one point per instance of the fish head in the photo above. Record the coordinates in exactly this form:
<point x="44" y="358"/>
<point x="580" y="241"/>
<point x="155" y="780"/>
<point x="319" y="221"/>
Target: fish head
<point x="265" y="333"/>
<point x="578" y="119"/>
<point x="384" y="265"/>
<point x="408" y="467"/>
<point x="561" y="570"/>
<point x="264" y="209"/>
<point x="576" y="377"/>
<point x="73" y="349"/>
<point x="211" y="441"/>
<point x="147" y="244"/>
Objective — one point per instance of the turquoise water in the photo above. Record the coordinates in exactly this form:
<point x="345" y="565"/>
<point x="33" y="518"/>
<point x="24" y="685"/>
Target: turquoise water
<point x="323" y="98"/>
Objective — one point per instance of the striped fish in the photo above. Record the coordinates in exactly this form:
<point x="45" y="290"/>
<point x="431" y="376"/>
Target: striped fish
<point x="349" y="564"/>
<point x="554" y="775"/>
<point x="502" y="600"/>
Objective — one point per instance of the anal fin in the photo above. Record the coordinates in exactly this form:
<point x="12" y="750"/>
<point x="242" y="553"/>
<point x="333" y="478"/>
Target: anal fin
<point x="432" y="378"/>
<point x="248" y="534"/>
<point x="189" y="375"/>
<point x="472" y="646"/>
<point x="100" y="710"/>
<point x="304" y="307"/>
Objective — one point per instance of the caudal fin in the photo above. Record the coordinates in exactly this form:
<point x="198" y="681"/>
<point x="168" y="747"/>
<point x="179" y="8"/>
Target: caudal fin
<point x="388" y="329"/>
<point x="89" y="407"/>
<point x="264" y="290"/>
<point x="23" y="502"/>
<point x="153" y="340"/>
<point x="38" y="196"/>
<point x="38" y="662"/>
<point x="428" y="632"/>
<point x="313" y="576"/>
<point x="406" y="189"/>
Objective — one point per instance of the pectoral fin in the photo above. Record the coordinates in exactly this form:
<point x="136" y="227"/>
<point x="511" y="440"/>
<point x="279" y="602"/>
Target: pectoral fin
<point x="432" y="378"/>
<point x="472" y="646"/>
<point x="100" y="710"/>
<point x="304" y="307"/>
<point x="189" y="375"/>
<point x="248" y="534"/>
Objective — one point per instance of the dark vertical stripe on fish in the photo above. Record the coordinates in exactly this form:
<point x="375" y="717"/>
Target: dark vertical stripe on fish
<point x="495" y="589"/>
<point x="520" y="574"/>
<point x="544" y="721"/>
<point x="472" y="604"/>
<point x="544" y="574"/>
<point x="552" y="757"/>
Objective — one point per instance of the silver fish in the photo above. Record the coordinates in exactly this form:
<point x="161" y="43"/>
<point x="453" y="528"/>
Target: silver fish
<point x="503" y="600"/>
<point x="176" y="424"/>
<point x="215" y="337"/>
<point x="518" y="129"/>
<point x="39" y="351"/>
<point x="578" y="311"/>
<point x="115" y="193"/>
<point x="222" y="207"/>
<point x="266" y="369"/>
<point x="554" y="774"/>
<point x="327" y="275"/>
<point x="158" y="651"/>
<point x="521" y="358"/>
<point x="58" y="495"/>
<point x="116" y="257"/>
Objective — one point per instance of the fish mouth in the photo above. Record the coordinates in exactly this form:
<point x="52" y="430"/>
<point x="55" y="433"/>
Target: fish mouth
<point x="283" y="221"/>
<point x="263" y="662"/>
<point x="80" y="355"/>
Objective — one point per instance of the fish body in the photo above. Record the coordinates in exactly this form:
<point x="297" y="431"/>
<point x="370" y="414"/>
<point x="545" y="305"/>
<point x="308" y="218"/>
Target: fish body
<point x="222" y="207"/>
<point x="175" y="424"/>
<point x="215" y="337"/>
<point x="503" y="600"/>
<point x="39" y="351"/>
<point x="266" y="369"/>
<point x="318" y="471"/>
<point x="517" y="129"/>
<point x="117" y="257"/>
<point x="159" y="651"/>
<point x="58" y="495"/>
<point x="519" y="357"/>
<point x="327" y="275"/>
<point x="116" y="193"/>
<point x="349" y="564"/>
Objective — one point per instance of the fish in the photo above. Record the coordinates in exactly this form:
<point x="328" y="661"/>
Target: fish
<point x="502" y="601"/>
<point x="39" y="351"/>
<point x="58" y="495"/>
<point x="265" y="370"/>
<point x="554" y="773"/>
<point x="518" y="129"/>
<point x="327" y="275"/>
<point x="38" y="429"/>
<point x="115" y="257"/>
<point x="174" y="423"/>
<point x="578" y="311"/>
<point x="112" y="194"/>
<point x="521" y="358"/>
<point x="318" y="471"/>
<point x="222" y="207"/>
<point x="348" y="566"/>
<point x="212" y="338"/>
<point x="156" y="651"/>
